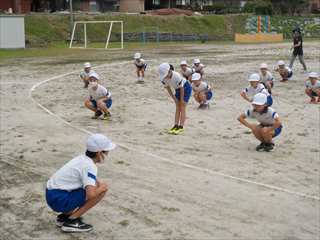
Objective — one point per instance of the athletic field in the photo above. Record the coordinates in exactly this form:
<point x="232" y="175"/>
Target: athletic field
<point x="206" y="183"/>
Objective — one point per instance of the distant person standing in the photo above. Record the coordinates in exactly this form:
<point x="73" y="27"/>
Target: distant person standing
<point x="297" y="48"/>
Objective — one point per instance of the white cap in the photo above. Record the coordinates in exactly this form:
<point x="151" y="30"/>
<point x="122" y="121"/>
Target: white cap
<point x="254" y="77"/>
<point x="163" y="70"/>
<point x="264" y="65"/>
<point x="95" y="75"/>
<point x="281" y="63"/>
<point x="259" y="99"/>
<point x="183" y="63"/>
<point x="86" y="65"/>
<point x="98" y="143"/>
<point x="196" y="76"/>
<point x="137" y="55"/>
<point x="196" y="61"/>
<point x="313" y="75"/>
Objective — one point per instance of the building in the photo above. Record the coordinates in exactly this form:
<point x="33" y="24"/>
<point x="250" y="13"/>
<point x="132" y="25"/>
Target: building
<point x="26" y="6"/>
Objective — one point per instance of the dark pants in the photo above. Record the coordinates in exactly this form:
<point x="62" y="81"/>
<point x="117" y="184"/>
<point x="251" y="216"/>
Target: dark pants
<point x="293" y="58"/>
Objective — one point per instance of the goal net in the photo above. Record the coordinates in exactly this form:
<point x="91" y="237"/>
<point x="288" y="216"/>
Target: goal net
<point x="97" y="35"/>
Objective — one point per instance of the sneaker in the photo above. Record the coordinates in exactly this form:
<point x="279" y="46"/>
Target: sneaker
<point x="97" y="114"/>
<point x="76" y="225"/>
<point x="205" y="105"/>
<point x="172" y="130"/>
<point x="260" y="147"/>
<point x="178" y="130"/>
<point x="61" y="218"/>
<point x="269" y="147"/>
<point x="106" y="116"/>
<point x="200" y="106"/>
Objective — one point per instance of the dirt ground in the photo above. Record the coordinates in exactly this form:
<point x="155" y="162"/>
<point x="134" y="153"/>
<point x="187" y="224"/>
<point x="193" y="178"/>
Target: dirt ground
<point x="207" y="183"/>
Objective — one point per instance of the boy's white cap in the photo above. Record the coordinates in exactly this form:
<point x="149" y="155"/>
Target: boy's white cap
<point x="137" y="55"/>
<point x="263" y="65"/>
<point x="254" y="77"/>
<point x="183" y="63"/>
<point x="196" y="61"/>
<point x="313" y="75"/>
<point x="98" y="143"/>
<point x="163" y="70"/>
<point x="86" y="65"/>
<point x="95" y="75"/>
<point x="280" y="63"/>
<point x="196" y="76"/>
<point x="259" y="99"/>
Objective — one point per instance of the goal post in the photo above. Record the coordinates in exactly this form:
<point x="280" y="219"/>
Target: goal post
<point x="107" y="35"/>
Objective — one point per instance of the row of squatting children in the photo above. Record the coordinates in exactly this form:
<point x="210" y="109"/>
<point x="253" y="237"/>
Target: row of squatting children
<point x="75" y="188"/>
<point x="99" y="99"/>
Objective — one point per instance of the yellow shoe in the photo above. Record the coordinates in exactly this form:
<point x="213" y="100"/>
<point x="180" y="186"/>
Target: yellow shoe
<point x="178" y="131"/>
<point x="172" y="130"/>
<point x="106" y="116"/>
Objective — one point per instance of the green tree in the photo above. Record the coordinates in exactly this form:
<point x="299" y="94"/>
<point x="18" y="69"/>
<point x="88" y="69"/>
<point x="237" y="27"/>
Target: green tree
<point x="292" y="7"/>
<point x="259" y="7"/>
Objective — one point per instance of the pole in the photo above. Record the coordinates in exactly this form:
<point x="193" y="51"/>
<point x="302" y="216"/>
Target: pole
<point x="71" y="15"/>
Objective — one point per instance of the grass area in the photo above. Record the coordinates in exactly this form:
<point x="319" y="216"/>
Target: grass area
<point x="44" y="29"/>
<point x="62" y="49"/>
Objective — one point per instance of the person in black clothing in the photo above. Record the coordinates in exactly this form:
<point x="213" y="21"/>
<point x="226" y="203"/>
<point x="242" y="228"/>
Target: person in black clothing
<point x="297" y="48"/>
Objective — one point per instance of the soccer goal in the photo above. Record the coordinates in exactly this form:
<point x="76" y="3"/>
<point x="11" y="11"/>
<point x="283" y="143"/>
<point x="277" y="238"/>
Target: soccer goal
<point x="97" y="35"/>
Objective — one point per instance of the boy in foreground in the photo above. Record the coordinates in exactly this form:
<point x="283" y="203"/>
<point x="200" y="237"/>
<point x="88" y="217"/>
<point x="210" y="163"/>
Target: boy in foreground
<point x="74" y="189"/>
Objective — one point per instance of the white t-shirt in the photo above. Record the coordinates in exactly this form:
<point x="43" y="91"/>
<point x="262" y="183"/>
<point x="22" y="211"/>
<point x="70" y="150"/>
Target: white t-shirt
<point x="100" y="92"/>
<point x="140" y="63"/>
<point x="266" y="78"/>
<point x="187" y="73"/>
<point x="314" y="87"/>
<point x="250" y="91"/>
<point x="202" y="87"/>
<point x="287" y="69"/>
<point x="176" y="81"/>
<point x="84" y="74"/>
<point x="266" y="119"/>
<point x="198" y="69"/>
<point x="77" y="173"/>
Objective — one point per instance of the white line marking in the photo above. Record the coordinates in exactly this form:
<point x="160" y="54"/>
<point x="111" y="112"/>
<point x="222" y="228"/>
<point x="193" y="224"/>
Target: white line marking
<point x="184" y="165"/>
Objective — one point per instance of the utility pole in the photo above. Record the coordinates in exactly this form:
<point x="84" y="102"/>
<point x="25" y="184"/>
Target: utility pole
<point x="71" y="16"/>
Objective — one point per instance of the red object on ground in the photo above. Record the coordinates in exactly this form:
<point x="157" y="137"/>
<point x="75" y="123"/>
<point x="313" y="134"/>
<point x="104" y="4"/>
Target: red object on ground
<point x="170" y="11"/>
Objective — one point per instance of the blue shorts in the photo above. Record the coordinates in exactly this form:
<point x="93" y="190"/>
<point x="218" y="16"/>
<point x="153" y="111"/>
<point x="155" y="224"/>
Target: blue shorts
<point x="314" y="94"/>
<point x="64" y="201"/>
<point x="277" y="131"/>
<point x="108" y="103"/>
<point x="290" y="74"/>
<point x="209" y="95"/>
<point x="143" y="67"/>
<point x="187" y="92"/>
<point x="269" y="101"/>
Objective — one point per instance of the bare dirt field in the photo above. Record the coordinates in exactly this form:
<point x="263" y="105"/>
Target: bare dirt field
<point x="207" y="183"/>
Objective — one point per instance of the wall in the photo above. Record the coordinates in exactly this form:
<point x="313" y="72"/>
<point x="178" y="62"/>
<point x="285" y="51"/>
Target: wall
<point x="12" y="33"/>
<point x="131" y="5"/>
